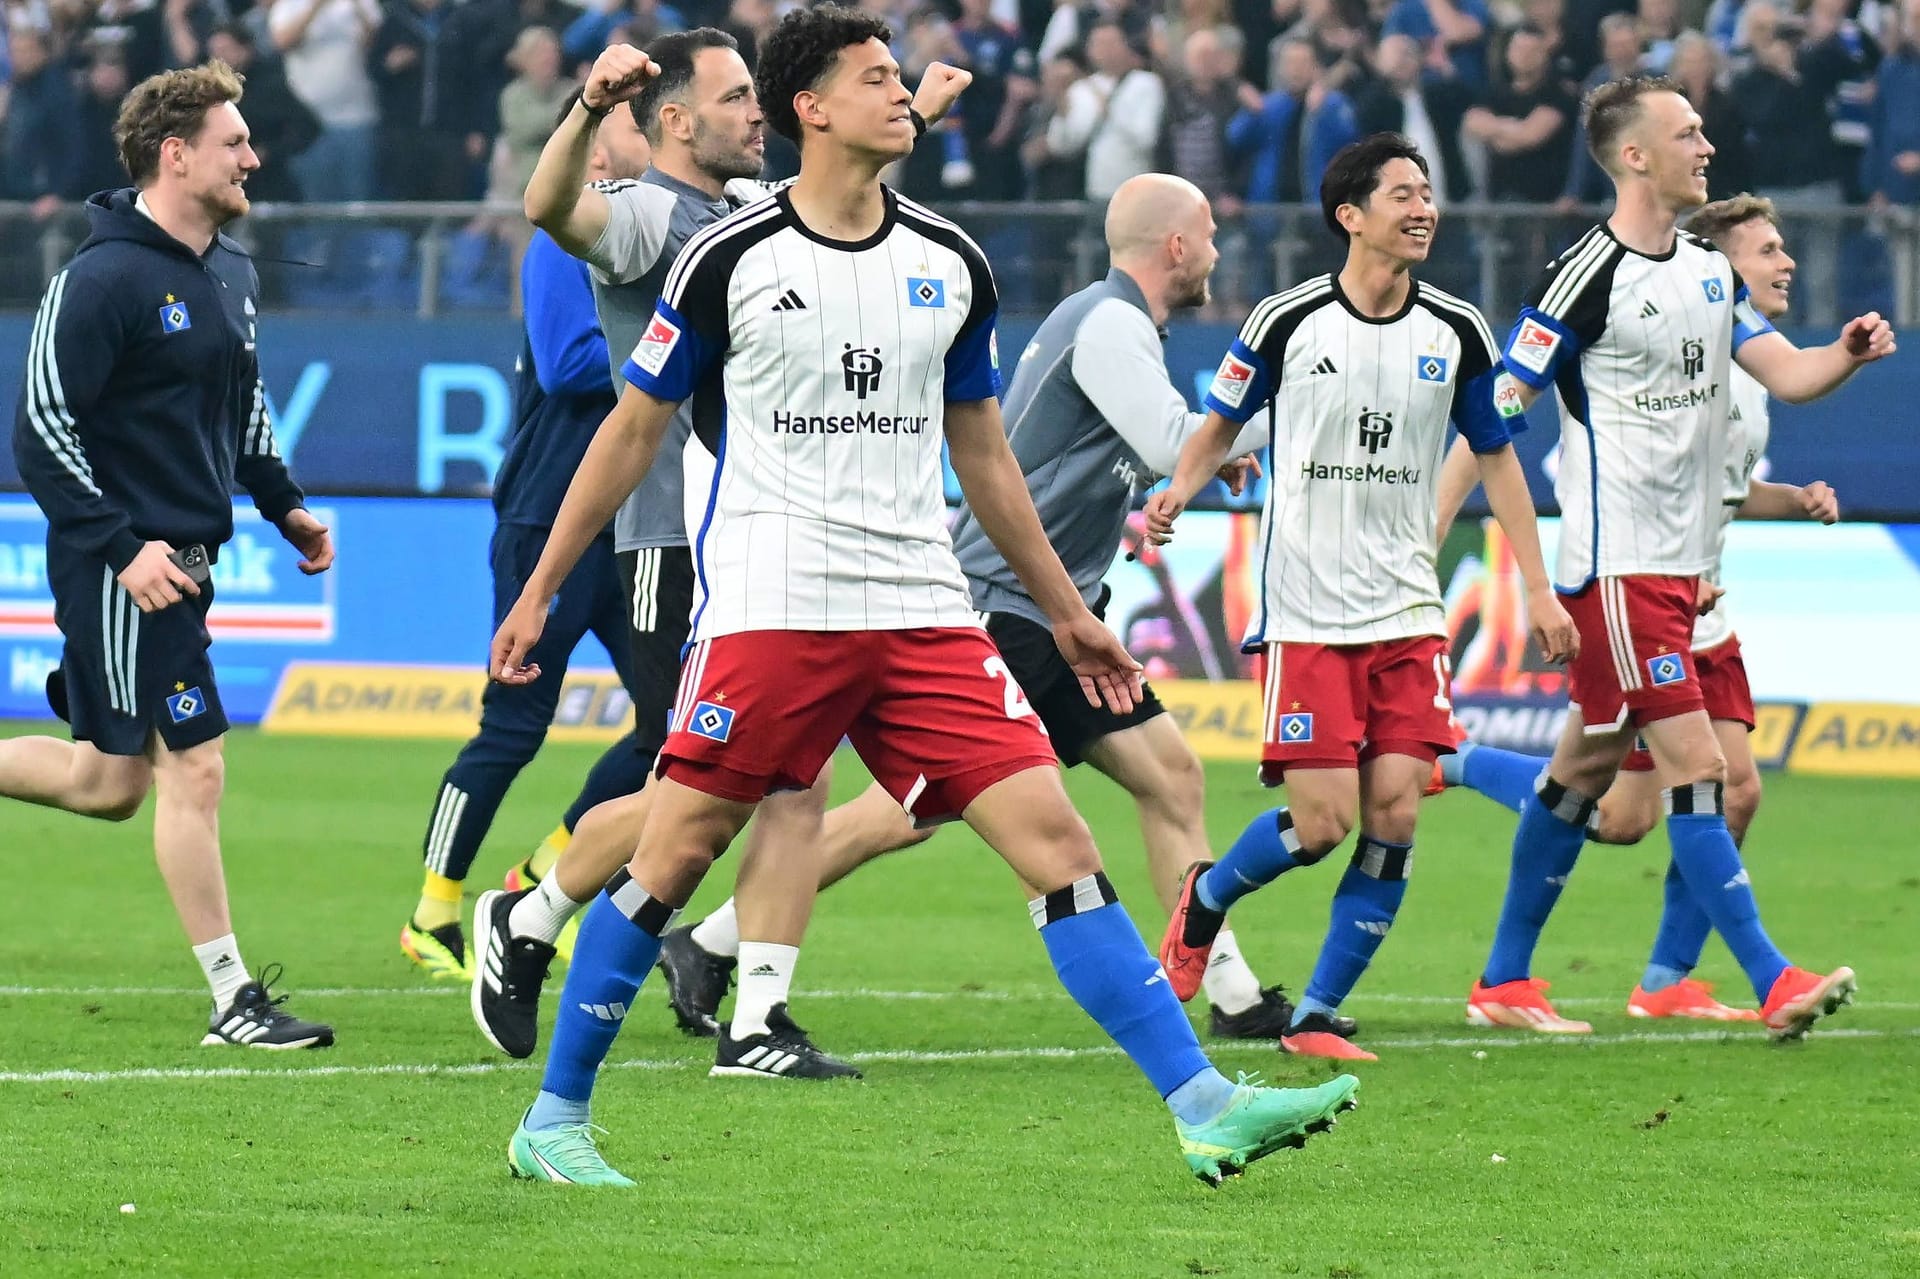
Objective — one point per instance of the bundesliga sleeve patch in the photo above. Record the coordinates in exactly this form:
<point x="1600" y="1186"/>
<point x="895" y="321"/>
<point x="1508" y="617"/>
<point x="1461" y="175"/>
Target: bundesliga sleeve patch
<point x="1666" y="668"/>
<point x="1506" y="396"/>
<point x="656" y="344"/>
<point x="1533" y="346"/>
<point x="1297" y="726"/>
<point x="1230" y="383"/>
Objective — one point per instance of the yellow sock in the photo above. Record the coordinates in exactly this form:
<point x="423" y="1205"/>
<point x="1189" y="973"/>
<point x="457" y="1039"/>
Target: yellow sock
<point x="439" y="903"/>
<point x="549" y="852"/>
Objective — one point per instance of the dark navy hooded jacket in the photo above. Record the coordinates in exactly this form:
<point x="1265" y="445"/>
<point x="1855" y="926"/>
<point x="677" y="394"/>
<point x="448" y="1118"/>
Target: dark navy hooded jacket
<point x="142" y="402"/>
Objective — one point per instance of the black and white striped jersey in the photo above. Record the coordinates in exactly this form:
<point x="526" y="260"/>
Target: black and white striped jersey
<point x="1748" y="428"/>
<point x="818" y="372"/>
<point x="1361" y="407"/>
<point x="1640" y="349"/>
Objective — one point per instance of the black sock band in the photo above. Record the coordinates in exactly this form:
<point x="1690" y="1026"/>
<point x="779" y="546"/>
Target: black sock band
<point x="1697" y="798"/>
<point x="647" y="913"/>
<point x="1569" y="805"/>
<point x="1080" y="897"/>
<point x="1377" y="859"/>
<point x="1290" y="841"/>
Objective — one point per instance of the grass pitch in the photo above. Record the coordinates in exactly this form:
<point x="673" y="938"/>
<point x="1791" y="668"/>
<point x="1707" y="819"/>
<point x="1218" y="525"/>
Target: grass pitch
<point x="995" y="1133"/>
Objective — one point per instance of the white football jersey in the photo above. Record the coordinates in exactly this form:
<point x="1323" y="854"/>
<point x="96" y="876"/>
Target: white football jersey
<point x="1747" y="431"/>
<point x="1361" y="408"/>
<point x="1641" y="352"/>
<point x="819" y="372"/>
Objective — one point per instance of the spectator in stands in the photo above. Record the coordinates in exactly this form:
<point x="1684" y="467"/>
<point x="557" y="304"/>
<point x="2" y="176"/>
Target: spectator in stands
<point x="1113" y="116"/>
<point x="1893" y="162"/>
<point x="607" y="22"/>
<point x="991" y="110"/>
<point x="422" y="134"/>
<point x="1786" y="117"/>
<point x="41" y="139"/>
<point x="1697" y="65"/>
<point x="1659" y="27"/>
<point x="1181" y="18"/>
<point x="280" y="124"/>
<point x="323" y="44"/>
<point x="1049" y="176"/>
<point x="1587" y="183"/>
<point x="1427" y="108"/>
<point x="1550" y="18"/>
<point x="529" y="105"/>
<point x="1839" y="59"/>
<point x="1337" y="30"/>
<point x="136" y="29"/>
<point x="1460" y="26"/>
<point x="1291" y="138"/>
<point x="1200" y="102"/>
<point x="477" y="37"/>
<point x="97" y="167"/>
<point x="1526" y="125"/>
<point x="189" y="24"/>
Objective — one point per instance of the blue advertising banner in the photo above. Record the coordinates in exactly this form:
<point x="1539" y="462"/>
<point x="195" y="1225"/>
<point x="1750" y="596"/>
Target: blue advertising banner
<point x="384" y="404"/>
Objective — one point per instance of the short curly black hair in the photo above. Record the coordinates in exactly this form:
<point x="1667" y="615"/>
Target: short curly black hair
<point x="801" y="53"/>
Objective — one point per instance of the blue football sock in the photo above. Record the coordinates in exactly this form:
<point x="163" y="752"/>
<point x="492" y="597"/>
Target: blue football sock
<point x="1364" y="906"/>
<point x="1505" y="777"/>
<point x="1266" y="850"/>
<point x="1704" y="851"/>
<point x="1546" y="844"/>
<point x="619" y="942"/>
<point x="1106" y="967"/>
<point x="1681" y="937"/>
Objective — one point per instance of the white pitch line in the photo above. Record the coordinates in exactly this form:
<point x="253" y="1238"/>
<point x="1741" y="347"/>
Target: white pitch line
<point x="911" y="1056"/>
<point x="1017" y="994"/>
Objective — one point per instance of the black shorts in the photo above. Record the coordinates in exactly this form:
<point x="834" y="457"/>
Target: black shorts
<point x="1053" y="689"/>
<point x="660" y="585"/>
<point x="125" y="675"/>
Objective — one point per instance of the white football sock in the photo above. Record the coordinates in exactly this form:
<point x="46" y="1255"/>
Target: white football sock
<point x="226" y="973"/>
<point x="719" y="933"/>
<point x="542" y="913"/>
<point x="1230" y="984"/>
<point x="766" y="978"/>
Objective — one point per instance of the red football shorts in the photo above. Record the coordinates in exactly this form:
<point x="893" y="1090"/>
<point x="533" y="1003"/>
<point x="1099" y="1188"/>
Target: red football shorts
<point x="934" y="713"/>
<point x="1636" y="651"/>
<point x="1724" y="688"/>
<point x="1337" y="706"/>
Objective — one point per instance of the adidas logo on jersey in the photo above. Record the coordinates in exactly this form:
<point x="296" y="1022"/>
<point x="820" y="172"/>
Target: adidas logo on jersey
<point x="1648" y="311"/>
<point x="790" y="301"/>
<point x="1325" y="366"/>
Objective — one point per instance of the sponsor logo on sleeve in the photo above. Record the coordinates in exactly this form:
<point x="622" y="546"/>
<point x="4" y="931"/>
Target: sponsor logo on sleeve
<point x="1506" y="396"/>
<point x="1231" y="382"/>
<point x="1533" y="346"/>
<point x="656" y="344"/>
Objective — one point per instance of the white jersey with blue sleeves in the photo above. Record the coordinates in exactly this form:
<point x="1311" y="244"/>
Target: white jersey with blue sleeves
<point x="1640" y="350"/>
<point x="1361" y="410"/>
<point x="819" y="372"/>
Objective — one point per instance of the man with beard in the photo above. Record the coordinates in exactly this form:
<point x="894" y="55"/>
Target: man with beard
<point x="141" y="408"/>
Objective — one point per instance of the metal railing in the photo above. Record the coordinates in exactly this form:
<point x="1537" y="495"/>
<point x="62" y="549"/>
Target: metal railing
<point x="451" y="258"/>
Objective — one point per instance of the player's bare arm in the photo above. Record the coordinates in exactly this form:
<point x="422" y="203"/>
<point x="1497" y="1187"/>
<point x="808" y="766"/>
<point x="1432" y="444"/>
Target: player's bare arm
<point x="1459" y="476"/>
<point x="1815" y="501"/>
<point x="1506" y="484"/>
<point x="1200" y="458"/>
<point x="622" y="452"/>
<point x="1797" y="374"/>
<point x="996" y="493"/>
<point x="558" y="201"/>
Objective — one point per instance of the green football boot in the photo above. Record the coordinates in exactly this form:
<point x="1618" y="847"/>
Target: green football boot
<point x="1260" y="1121"/>
<point x="564" y="1153"/>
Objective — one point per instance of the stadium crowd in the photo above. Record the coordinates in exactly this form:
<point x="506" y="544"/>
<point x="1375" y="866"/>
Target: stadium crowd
<point x="1816" y="103"/>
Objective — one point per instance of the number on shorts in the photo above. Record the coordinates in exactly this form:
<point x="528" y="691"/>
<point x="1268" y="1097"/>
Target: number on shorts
<point x="1016" y="699"/>
<point x="1443" y="682"/>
